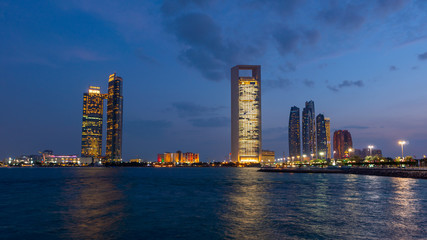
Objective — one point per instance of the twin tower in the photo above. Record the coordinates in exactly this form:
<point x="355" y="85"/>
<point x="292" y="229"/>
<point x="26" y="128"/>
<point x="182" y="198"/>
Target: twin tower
<point x="92" y="131"/>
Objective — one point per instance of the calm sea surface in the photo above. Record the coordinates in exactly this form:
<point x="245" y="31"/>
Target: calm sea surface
<point x="207" y="203"/>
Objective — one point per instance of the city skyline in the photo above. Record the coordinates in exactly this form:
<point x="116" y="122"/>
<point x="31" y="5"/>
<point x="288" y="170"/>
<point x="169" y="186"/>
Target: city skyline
<point x="366" y="71"/>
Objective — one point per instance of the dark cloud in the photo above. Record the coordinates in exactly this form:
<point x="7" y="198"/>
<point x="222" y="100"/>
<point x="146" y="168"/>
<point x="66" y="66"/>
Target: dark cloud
<point x="280" y="83"/>
<point x="344" y="17"/>
<point x="393" y="68"/>
<point x="346" y="83"/>
<point x="188" y="109"/>
<point x="143" y="57"/>
<point x="414" y="68"/>
<point x="210" y="122"/>
<point x="288" y="67"/>
<point x="422" y="56"/>
<point x="308" y="83"/>
<point x="289" y="40"/>
<point x="389" y="6"/>
<point x="355" y="127"/>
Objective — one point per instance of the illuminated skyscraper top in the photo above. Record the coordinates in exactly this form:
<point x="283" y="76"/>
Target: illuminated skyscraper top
<point x="246" y="114"/>
<point x="114" y="118"/>
<point x="92" y="123"/>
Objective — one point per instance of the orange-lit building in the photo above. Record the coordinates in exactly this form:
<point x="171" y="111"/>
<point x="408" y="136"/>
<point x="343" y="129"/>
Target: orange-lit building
<point x="342" y="144"/>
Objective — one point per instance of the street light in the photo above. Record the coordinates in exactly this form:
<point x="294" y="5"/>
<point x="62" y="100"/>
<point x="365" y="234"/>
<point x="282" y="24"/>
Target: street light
<point x="401" y="144"/>
<point x="370" y="149"/>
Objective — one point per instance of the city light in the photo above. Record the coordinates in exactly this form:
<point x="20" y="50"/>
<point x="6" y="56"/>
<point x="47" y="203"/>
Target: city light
<point x="370" y="149"/>
<point x="401" y="143"/>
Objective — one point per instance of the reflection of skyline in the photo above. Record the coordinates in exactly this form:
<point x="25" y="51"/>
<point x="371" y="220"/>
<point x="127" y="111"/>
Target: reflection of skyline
<point x="95" y="205"/>
<point x="246" y="213"/>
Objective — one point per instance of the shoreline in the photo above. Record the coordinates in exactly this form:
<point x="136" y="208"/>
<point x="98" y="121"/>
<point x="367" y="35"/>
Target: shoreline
<point x="387" y="172"/>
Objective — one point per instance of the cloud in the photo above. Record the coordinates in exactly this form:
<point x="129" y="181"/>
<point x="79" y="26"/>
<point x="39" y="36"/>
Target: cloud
<point x="210" y="122"/>
<point x="289" y="40"/>
<point x="139" y="52"/>
<point x="308" y="83"/>
<point x="388" y="6"/>
<point x="355" y="127"/>
<point x="188" y="109"/>
<point x="281" y="83"/>
<point x="393" y="68"/>
<point x="345" y="17"/>
<point x="422" y="56"/>
<point x="288" y="67"/>
<point x="346" y="83"/>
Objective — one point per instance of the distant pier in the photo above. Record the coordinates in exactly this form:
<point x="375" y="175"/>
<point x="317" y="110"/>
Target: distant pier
<point x="420" y="173"/>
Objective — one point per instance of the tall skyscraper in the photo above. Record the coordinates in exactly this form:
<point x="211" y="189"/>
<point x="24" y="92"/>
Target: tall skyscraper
<point x="246" y="114"/>
<point x="294" y="133"/>
<point x="114" y="118"/>
<point x="328" y="137"/>
<point x="342" y="144"/>
<point x="92" y="123"/>
<point x="308" y="130"/>
<point x="321" y="137"/>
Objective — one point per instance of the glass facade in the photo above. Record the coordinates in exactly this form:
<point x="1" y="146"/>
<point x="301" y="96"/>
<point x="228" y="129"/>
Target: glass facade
<point x="114" y="118"/>
<point x="308" y="130"/>
<point x="328" y="137"/>
<point x="321" y="137"/>
<point x="246" y="114"/>
<point x="92" y="123"/>
<point x="294" y="133"/>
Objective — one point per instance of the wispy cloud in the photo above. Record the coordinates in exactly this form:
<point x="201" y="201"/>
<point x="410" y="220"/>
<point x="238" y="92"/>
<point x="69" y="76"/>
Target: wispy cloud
<point x="345" y="84"/>
<point x="189" y="109"/>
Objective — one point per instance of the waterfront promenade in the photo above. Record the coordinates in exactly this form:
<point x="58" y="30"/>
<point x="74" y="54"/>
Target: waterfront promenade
<point x="420" y="173"/>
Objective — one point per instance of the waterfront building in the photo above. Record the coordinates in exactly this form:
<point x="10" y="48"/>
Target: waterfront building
<point x="294" y="133"/>
<point x="342" y="144"/>
<point x="92" y="123"/>
<point x="328" y="137"/>
<point x="308" y="130"/>
<point x="268" y="157"/>
<point x="178" y="158"/>
<point x="246" y="114"/>
<point x="114" y="118"/>
<point x="321" y="137"/>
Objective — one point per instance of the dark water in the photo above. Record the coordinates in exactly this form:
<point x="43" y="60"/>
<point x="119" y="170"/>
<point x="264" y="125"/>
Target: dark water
<point x="207" y="203"/>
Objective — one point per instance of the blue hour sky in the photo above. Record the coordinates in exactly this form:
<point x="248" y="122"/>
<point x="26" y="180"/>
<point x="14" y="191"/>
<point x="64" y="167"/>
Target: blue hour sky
<point x="363" y="63"/>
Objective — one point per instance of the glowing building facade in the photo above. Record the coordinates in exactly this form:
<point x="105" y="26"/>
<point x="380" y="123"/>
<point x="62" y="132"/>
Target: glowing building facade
<point x="246" y="114"/>
<point x="114" y="118"/>
<point x="328" y="137"/>
<point x="294" y="133"/>
<point x="342" y="144"/>
<point x="92" y="123"/>
<point x="308" y="130"/>
<point x="321" y="137"/>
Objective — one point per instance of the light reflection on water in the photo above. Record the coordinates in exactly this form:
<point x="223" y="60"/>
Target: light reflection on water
<point x="207" y="203"/>
<point x="94" y="206"/>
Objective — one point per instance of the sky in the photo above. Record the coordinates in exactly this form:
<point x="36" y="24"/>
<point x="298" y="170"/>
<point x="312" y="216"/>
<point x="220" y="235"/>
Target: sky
<point x="363" y="63"/>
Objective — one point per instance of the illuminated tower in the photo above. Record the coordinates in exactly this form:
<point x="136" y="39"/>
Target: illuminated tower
<point x="321" y="136"/>
<point x="342" y="144"/>
<point x="294" y="133"/>
<point x="328" y="137"/>
<point x="308" y="129"/>
<point x="246" y="114"/>
<point x="92" y="123"/>
<point x="114" y="118"/>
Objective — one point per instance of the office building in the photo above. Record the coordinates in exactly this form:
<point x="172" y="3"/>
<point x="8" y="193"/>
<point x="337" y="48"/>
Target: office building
<point x="342" y="144"/>
<point x="328" y="137"/>
<point x="92" y="123"/>
<point x="308" y="130"/>
<point x="246" y="114"/>
<point x="321" y="137"/>
<point x="114" y="118"/>
<point x="268" y="157"/>
<point x="294" y="133"/>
